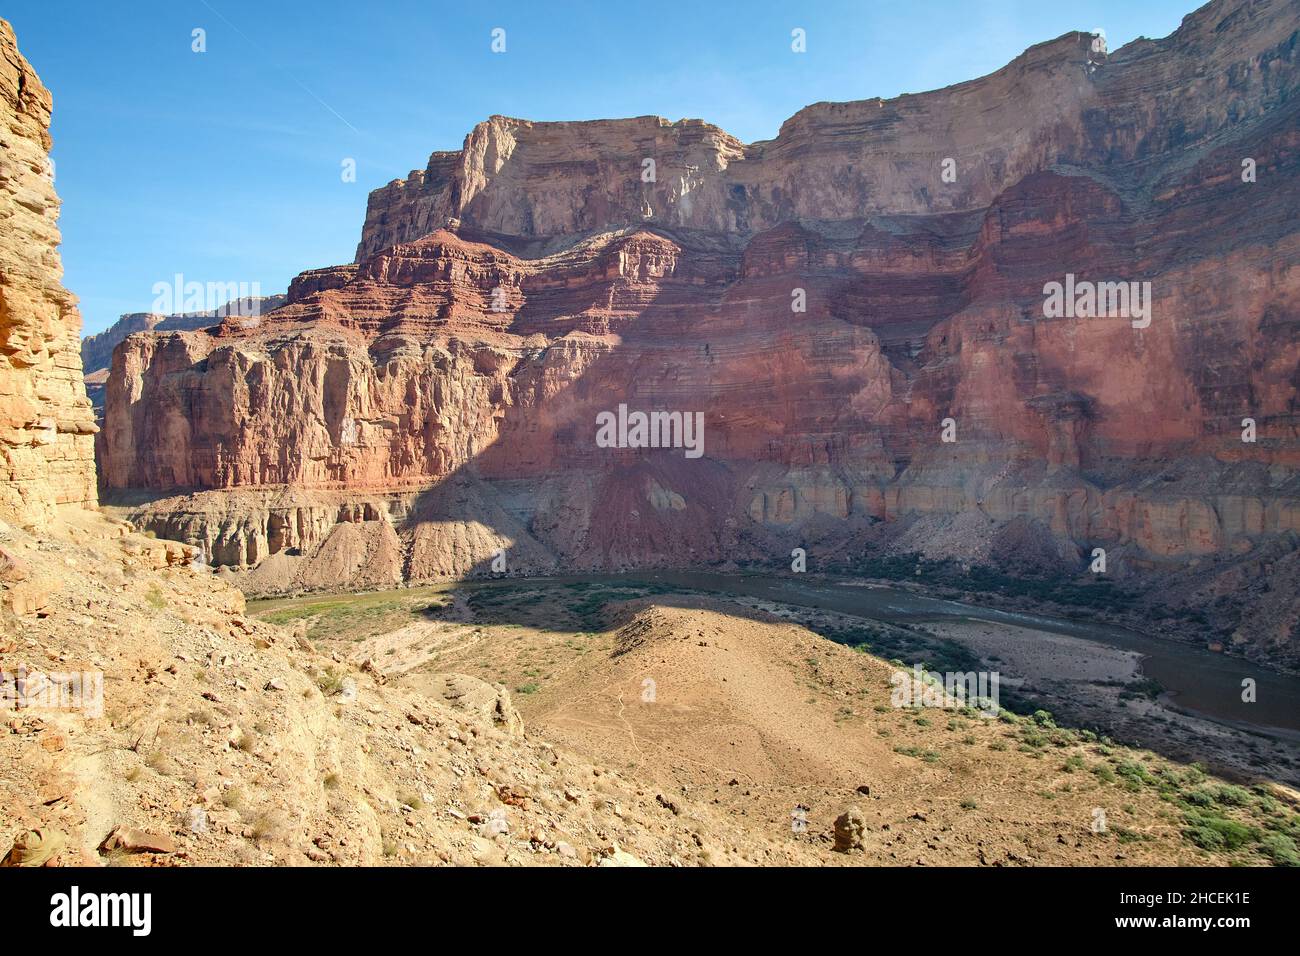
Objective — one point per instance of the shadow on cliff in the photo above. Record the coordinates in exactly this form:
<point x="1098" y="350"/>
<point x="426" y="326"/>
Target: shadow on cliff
<point x="543" y="497"/>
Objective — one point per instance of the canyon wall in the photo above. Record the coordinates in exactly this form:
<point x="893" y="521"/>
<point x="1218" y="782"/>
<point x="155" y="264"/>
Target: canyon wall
<point x="46" y="422"/>
<point x="97" y="350"/>
<point x="856" y="309"/>
<point x="1142" y="115"/>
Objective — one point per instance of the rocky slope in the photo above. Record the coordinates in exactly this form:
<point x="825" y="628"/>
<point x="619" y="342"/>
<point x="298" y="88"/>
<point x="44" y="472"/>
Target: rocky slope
<point x="144" y="719"/>
<point x="717" y="703"/>
<point x="46" y="423"/>
<point x="226" y="741"/>
<point x="414" y="413"/>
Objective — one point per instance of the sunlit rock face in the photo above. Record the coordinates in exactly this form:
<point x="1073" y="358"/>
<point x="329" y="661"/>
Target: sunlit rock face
<point x="835" y="302"/>
<point x="46" y="423"/>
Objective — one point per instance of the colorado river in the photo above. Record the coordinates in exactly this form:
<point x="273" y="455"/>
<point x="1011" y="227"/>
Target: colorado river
<point x="1196" y="680"/>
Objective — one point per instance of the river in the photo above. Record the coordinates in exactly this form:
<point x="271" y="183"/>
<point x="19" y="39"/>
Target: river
<point x="1196" y="680"/>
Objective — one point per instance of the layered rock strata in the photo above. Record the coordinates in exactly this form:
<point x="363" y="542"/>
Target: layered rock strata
<point x="97" y="350"/>
<point x="46" y="423"/>
<point x="837" y="303"/>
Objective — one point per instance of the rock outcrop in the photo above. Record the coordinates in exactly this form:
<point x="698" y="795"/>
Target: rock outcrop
<point x="97" y="350"/>
<point x="836" y="304"/>
<point x="1144" y="115"/>
<point x="46" y="423"/>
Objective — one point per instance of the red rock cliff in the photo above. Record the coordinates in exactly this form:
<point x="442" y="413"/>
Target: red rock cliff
<point x="408" y="415"/>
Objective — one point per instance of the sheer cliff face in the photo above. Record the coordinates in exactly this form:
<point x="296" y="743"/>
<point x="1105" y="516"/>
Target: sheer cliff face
<point x="46" y="423"/>
<point x="824" y="300"/>
<point x="1140" y="116"/>
<point x="97" y="350"/>
<point x="832" y="161"/>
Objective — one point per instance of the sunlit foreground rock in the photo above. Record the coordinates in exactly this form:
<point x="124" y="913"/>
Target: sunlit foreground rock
<point x="46" y="424"/>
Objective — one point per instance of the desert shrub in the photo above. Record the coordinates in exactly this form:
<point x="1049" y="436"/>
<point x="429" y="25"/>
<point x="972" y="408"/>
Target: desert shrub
<point x="1281" y="849"/>
<point x="1267" y="804"/>
<point x="1033" y="738"/>
<point x="330" y="681"/>
<point x="1232" y="796"/>
<point x="1133" y="773"/>
<point x="266" y="825"/>
<point x="929" y="756"/>
<point x="1210" y="831"/>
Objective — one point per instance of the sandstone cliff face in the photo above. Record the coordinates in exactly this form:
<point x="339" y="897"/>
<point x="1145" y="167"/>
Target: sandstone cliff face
<point x="46" y="424"/>
<point x="415" y="413"/>
<point x="1142" y="113"/>
<point x="97" y="350"/>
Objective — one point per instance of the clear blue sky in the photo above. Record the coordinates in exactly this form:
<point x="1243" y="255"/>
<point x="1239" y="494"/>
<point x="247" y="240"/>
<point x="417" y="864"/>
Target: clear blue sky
<point x="225" y="166"/>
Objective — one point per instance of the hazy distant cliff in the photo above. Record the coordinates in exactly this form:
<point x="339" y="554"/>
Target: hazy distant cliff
<point x="97" y="350"/>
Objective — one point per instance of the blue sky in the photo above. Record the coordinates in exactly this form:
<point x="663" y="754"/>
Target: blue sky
<point x="225" y="165"/>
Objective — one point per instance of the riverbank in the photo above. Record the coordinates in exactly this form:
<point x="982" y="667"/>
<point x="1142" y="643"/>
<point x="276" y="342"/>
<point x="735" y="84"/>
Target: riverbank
<point x="1087" y="684"/>
<point x="1070" y="668"/>
<point x="764" y="709"/>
